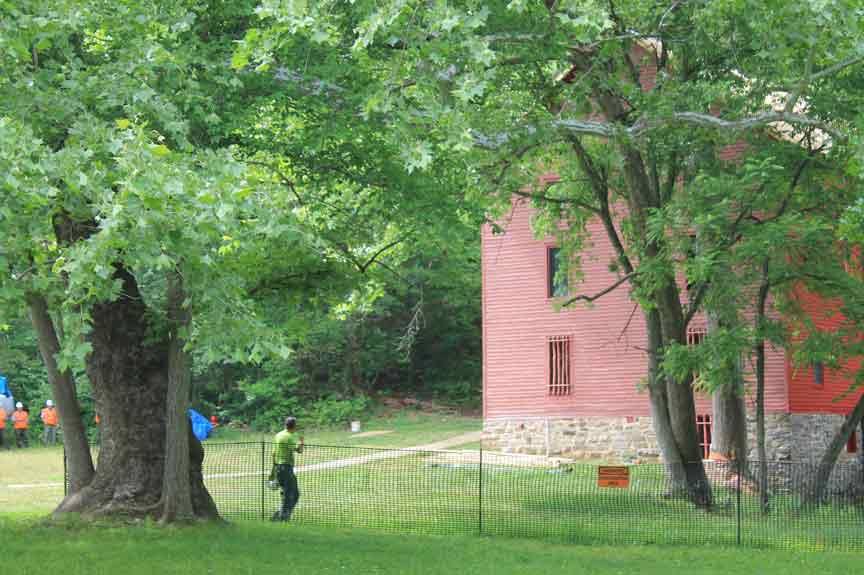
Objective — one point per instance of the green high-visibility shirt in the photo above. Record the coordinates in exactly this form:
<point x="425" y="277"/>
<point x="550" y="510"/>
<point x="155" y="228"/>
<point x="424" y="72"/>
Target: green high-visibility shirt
<point x="284" y="446"/>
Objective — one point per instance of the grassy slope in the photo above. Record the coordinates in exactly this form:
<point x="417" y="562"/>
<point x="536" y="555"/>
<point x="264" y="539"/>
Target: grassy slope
<point x="261" y="549"/>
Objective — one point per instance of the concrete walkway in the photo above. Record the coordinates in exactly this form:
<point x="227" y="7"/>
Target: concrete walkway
<point x="377" y="455"/>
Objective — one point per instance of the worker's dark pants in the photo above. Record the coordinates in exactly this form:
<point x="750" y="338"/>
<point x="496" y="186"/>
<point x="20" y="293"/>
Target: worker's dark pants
<point x="290" y="491"/>
<point x="50" y="435"/>
<point x="21" y="437"/>
<point x="2" y="430"/>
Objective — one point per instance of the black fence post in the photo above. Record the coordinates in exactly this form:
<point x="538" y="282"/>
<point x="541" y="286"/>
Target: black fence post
<point x="480" y="495"/>
<point x="261" y="482"/>
<point x="65" y="474"/>
<point x="738" y="495"/>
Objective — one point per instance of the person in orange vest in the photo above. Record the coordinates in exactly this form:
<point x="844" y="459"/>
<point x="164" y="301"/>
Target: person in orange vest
<point x="21" y="422"/>
<point x="214" y="421"/>
<point x="49" y="419"/>
<point x="3" y="417"/>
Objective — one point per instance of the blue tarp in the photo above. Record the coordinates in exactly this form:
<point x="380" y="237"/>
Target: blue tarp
<point x="4" y="386"/>
<point x="200" y="426"/>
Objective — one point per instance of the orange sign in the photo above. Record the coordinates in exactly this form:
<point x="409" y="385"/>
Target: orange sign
<point x="618" y="476"/>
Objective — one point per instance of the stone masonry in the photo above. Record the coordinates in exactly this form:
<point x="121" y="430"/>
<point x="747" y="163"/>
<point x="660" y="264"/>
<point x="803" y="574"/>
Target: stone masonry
<point x="789" y="437"/>
<point x="598" y="438"/>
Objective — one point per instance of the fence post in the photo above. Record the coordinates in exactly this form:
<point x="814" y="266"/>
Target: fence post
<point x="738" y="495"/>
<point x="480" y="495"/>
<point x="65" y="474"/>
<point x="261" y="482"/>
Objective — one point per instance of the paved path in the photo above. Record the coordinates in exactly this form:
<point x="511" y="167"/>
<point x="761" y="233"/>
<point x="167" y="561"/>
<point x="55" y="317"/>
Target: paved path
<point x="377" y="455"/>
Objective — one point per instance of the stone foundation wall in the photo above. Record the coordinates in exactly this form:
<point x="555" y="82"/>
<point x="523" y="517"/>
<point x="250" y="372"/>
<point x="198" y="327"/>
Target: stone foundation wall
<point x="789" y="437"/>
<point x="612" y="439"/>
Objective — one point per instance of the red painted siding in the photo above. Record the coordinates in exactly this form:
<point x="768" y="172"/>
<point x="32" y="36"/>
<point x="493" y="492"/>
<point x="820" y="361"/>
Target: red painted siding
<point x="804" y="395"/>
<point x="608" y="363"/>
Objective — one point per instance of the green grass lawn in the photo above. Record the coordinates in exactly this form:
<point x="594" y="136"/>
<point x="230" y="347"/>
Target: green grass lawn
<point x="37" y="468"/>
<point x="408" y="428"/>
<point x="36" y="471"/>
<point x="260" y="549"/>
<point x="410" y="491"/>
<point x="418" y="492"/>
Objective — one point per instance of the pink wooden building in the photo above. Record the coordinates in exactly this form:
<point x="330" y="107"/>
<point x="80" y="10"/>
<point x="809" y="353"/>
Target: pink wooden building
<point x="571" y="382"/>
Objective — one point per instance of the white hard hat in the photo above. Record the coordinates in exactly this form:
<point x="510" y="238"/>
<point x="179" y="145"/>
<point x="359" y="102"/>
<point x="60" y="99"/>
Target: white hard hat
<point x="49" y="403"/>
<point x="19" y="405"/>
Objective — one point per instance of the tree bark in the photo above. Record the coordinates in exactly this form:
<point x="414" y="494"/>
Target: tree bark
<point x="729" y="425"/>
<point x="660" y="408"/>
<point x="78" y="459"/>
<point x="128" y="371"/>
<point x="682" y="405"/>
<point x="176" y="490"/>
<point x="817" y="490"/>
<point x="729" y="422"/>
<point x="678" y="416"/>
<point x="760" y="389"/>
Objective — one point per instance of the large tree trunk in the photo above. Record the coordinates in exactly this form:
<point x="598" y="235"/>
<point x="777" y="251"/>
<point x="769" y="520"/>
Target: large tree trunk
<point x="678" y="415"/>
<point x="660" y="408"/>
<point x="128" y="371"/>
<point x="176" y="492"/>
<point x="816" y="492"/>
<point x="760" y="389"/>
<point x="682" y="405"/>
<point x="78" y="459"/>
<point x="729" y="424"/>
<point x="729" y="421"/>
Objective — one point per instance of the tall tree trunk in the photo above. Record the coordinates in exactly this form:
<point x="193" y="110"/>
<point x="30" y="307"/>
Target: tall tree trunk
<point x="817" y="490"/>
<point x="660" y="407"/>
<point x="176" y="490"/>
<point x="729" y="422"/>
<point x="128" y="371"/>
<point x="760" y="388"/>
<point x="682" y="405"/>
<point x="78" y="458"/>
<point x="678" y="415"/>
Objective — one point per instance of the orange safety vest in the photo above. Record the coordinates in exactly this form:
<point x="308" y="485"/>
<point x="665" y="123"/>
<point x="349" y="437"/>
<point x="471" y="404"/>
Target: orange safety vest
<point x="2" y="418"/>
<point x="49" y="416"/>
<point x="20" y="419"/>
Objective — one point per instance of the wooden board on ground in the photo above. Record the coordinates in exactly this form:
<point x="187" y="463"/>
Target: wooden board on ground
<point x="613" y="476"/>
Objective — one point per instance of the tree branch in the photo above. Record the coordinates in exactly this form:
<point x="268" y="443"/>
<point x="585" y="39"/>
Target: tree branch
<point x="563" y="201"/>
<point x="601" y="293"/>
<point x="830" y="70"/>
<point x="629" y="321"/>
<point x="375" y="256"/>
<point x="795" y="95"/>
<point x="601" y="192"/>
<point x="645" y="125"/>
<point x="286" y="181"/>
<point x="708" y="121"/>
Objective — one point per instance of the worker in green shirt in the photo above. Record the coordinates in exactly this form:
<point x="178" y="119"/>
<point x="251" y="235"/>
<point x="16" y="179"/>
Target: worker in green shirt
<point x="285" y="444"/>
